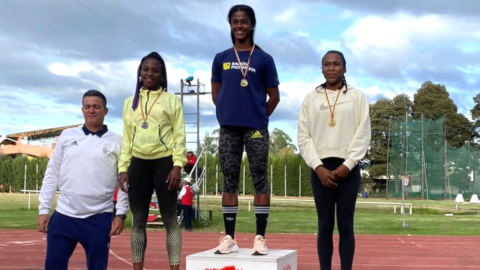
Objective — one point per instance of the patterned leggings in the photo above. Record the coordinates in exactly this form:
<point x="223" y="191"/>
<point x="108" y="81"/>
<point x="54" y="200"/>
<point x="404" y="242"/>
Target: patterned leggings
<point x="144" y="176"/>
<point x="231" y="143"/>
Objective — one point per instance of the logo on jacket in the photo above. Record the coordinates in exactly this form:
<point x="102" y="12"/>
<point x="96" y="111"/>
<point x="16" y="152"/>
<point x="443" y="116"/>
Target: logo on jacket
<point x="324" y="107"/>
<point x="106" y="148"/>
<point x="226" y="66"/>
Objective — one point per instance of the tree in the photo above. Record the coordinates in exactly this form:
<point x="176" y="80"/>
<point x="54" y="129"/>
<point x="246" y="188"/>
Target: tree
<point x="210" y="142"/>
<point x="281" y="143"/>
<point x="434" y="102"/>
<point x="5" y="170"/>
<point x="381" y="113"/>
<point x="476" y="116"/>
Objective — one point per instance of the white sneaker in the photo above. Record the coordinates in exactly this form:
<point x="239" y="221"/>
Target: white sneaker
<point x="259" y="246"/>
<point x="227" y="245"/>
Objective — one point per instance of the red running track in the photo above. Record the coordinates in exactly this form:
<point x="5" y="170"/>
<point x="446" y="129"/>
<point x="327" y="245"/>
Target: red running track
<point x="25" y="249"/>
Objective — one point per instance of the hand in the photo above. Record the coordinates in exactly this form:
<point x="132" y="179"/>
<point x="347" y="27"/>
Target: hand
<point x="42" y="223"/>
<point x="123" y="182"/>
<point x="326" y="177"/>
<point x="173" y="179"/>
<point x="117" y="226"/>
<point x="341" y="172"/>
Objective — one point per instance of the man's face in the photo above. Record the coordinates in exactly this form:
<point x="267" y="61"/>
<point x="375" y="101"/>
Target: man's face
<point x="94" y="111"/>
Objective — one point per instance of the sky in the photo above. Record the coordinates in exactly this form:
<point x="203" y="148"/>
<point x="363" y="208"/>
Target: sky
<point x="52" y="51"/>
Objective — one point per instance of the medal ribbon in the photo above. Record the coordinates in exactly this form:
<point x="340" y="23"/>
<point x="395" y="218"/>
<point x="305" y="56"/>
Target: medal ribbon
<point x="330" y="110"/>
<point x="240" y="63"/>
<point x="151" y="107"/>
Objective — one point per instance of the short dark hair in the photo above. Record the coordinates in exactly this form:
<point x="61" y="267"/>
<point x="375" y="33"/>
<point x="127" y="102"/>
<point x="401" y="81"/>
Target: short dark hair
<point x="251" y="15"/>
<point x="96" y="93"/>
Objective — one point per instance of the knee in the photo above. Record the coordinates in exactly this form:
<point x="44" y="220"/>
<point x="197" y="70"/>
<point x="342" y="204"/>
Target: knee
<point x="345" y="228"/>
<point x="261" y="187"/>
<point x="229" y="189"/>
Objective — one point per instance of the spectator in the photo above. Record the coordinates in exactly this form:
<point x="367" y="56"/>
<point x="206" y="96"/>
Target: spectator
<point x="186" y="200"/>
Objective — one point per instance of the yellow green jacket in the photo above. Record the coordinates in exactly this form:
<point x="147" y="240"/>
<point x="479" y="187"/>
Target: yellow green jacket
<point x="165" y="134"/>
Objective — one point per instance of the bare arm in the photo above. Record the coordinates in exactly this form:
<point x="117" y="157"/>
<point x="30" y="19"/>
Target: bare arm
<point x="215" y="90"/>
<point x="273" y="99"/>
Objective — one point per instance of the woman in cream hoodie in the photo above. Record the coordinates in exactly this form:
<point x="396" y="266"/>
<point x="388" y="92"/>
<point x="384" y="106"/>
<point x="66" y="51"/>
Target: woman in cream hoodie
<point x="333" y="135"/>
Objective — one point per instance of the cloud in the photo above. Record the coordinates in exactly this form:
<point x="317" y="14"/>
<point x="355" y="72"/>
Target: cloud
<point x="62" y="69"/>
<point x="443" y="7"/>
<point x="402" y="46"/>
<point x="58" y="50"/>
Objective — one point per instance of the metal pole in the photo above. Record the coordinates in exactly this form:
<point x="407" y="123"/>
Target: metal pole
<point x="445" y="171"/>
<point x="300" y="180"/>
<point x="205" y="185"/>
<point x="271" y="180"/>
<point x="470" y="172"/>
<point x="285" y="180"/>
<point x="182" y="85"/>
<point x="404" y="225"/>
<point x="216" y="180"/>
<point x="36" y="180"/>
<point x="406" y="143"/>
<point x="198" y="115"/>
<point x="424" y="170"/>
<point x="388" y="152"/>
<point x="25" y="180"/>
<point x="243" y="180"/>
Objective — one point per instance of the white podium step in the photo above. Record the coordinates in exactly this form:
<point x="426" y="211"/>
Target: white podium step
<point x="276" y="259"/>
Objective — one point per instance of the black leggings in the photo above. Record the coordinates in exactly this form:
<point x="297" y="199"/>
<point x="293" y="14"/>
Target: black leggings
<point x="343" y="199"/>
<point x="144" y="176"/>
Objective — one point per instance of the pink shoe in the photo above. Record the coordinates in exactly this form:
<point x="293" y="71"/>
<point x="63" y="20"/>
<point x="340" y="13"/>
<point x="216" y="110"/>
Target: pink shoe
<point x="259" y="246"/>
<point x="227" y="245"/>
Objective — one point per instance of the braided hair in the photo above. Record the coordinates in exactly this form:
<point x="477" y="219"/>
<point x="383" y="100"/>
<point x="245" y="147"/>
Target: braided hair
<point x="344" y="81"/>
<point x="163" y="76"/>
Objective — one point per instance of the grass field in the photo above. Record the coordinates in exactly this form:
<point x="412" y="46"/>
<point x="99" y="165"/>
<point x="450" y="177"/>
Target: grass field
<point x="296" y="216"/>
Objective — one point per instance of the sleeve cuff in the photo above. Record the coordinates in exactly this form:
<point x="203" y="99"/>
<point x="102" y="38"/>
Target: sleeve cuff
<point x="44" y="211"/>
<point x="122" y="169"/>
<point x="350" y="163"/>
<point x="315" y="163"/>
<point x="178" y="164"/>
<point x="121" y="211"/>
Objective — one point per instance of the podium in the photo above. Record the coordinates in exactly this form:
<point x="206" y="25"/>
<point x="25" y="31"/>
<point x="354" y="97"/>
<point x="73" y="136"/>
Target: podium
<point x="276" y="259"/>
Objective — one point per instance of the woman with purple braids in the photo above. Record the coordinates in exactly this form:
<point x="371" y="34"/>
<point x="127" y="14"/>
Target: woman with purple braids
<point x="153" y="155"/>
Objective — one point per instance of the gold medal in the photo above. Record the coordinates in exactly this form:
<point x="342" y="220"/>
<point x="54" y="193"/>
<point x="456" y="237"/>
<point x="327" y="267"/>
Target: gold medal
<point x="331" y="123"/>
<point x="244" y="83"/>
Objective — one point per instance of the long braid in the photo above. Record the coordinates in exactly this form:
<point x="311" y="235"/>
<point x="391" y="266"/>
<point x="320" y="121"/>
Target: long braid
<point x="163" y="76"/>
<point x="344" y="84"/>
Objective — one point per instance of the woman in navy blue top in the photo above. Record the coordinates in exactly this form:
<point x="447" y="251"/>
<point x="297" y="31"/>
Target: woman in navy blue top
<point x="245" y="92"/>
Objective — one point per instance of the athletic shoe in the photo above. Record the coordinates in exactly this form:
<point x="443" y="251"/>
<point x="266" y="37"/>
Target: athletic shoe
<point x="227" y="245"/>
<point x="259" y="246"/>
